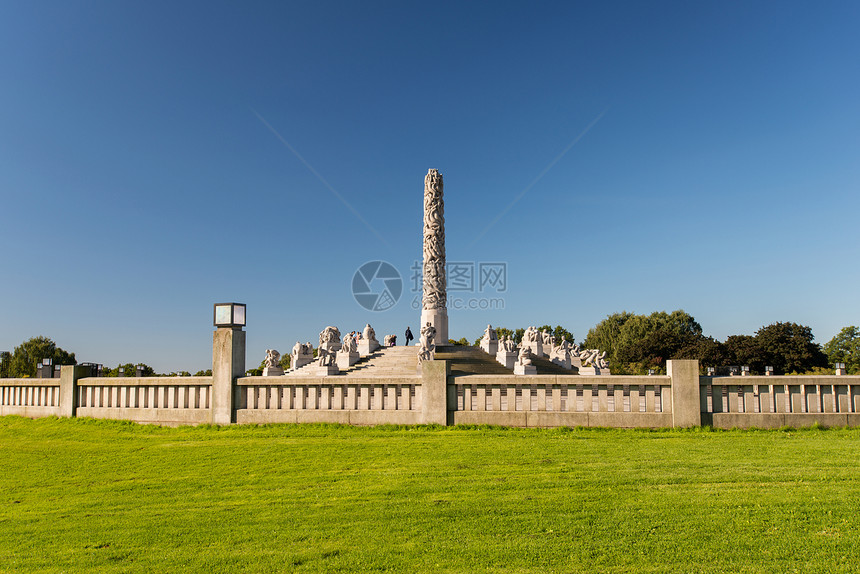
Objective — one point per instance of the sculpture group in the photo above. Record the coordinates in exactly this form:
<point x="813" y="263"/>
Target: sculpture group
<point x="335" y="354"/>
<point x="520" y="358"/>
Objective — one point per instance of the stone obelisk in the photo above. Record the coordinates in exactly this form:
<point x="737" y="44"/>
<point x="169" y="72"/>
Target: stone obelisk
<point x="434" y="306"/>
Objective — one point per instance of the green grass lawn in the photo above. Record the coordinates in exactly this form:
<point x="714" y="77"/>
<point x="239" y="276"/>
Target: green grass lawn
<point x="80" y="495"/>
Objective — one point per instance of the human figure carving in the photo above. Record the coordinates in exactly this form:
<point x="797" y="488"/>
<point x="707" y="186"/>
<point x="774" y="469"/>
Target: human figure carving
<point x="490" y="334"/>
<point x="525" y="356"/>
<point x="272" y="358"/>
<point x="427" y="349"/>
<point x="369" y="333"/>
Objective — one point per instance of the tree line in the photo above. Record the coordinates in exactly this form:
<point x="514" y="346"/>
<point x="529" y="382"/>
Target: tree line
<point x="22" y="362"/>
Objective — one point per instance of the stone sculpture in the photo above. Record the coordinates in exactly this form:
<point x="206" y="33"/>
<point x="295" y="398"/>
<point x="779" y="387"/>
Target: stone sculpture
<point x="525" y="356"/>
<point x="349" y="345"/>
<point x="348" y="354"/>
<point x="368" y="343"/>
<point x="330" y="339"/>
<point x="593" y="362"/>
<point x="435" y="291"/>
<point x="302" y="354"/>
<point x="369" y="333"/>
<point x="524" y="364"/>
<point x="533" y="340"/>
<point x="561" y="355"/>
<point x="490" y="341"/>
<point x="272" y="368"/>
<point x="427" y="346"/>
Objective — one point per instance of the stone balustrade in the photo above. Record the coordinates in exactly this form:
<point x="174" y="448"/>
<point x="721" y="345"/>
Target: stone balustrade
<point x="773" y="402"/>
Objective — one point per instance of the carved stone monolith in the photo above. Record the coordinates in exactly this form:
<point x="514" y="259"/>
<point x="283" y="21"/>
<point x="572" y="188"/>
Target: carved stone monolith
<point x="434" y="308"/>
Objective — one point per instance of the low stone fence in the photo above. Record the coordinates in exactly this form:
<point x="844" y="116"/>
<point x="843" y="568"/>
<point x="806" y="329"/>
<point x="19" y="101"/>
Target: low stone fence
<point x="162" y="400"/>
<point x="347" y="400"/>
<point x="561" y="400"/>
<point x="30" y="397"/>
<point x="681" y="398"/>
<point x="776" y="401"/>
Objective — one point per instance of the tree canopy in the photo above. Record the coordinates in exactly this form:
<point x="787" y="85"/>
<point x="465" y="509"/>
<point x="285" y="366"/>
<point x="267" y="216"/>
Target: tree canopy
<point x="28" y="354"/>
<point x="845" y="348"/>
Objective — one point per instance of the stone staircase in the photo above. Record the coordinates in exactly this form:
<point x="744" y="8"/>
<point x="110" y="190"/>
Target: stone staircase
<point x="384" y="362"/>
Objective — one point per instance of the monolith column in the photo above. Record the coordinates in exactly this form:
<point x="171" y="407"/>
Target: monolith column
<point x="434" y="307"/>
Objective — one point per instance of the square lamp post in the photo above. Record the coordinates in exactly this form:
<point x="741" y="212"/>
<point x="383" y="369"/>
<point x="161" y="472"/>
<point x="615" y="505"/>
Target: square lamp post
<point x="745" y="371"/>
<point x="44" y="370"/>
<point x="229" y="315"/>
<point x="768" y="371"/>
<point x="711" y="371"/>
<point x="228" y="359"/>
<point x="840" y="369"/>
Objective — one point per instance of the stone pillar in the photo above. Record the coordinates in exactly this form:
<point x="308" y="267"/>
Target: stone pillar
<point x="434" y="308"/>
<point x="434" y="391"/>
<point x="69" y="375"/>
<point x="686" y="401"/>
<point x="228" y="364"/>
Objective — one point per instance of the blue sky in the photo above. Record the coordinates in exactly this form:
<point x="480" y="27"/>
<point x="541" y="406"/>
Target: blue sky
<point x="159" y="157"/>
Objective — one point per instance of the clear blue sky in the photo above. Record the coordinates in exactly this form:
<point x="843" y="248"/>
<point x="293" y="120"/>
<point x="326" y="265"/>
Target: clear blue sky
<point x="146" y="169"/>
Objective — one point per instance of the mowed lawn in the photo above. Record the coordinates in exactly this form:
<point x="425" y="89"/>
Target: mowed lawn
<point x="80" y="495"/>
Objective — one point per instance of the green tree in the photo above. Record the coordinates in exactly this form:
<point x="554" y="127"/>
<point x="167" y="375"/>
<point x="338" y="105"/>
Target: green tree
<point x="201" y="373"/>
<point x="845" y="348"/>
<point x="635" y="343"/>
<point x="746" y="350"/>
<point x="32" y="351"/>
<point x="606" y="336"/>
<point x="5" y="360"/>
<point x="789" y="347"/>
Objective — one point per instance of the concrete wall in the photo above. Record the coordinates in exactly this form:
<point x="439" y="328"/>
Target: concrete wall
<point x="32" y="398"/>
<point x="433" y="396"/>
<point x="561" y="400"/>
<point x="334" y="399"/>
<point x="160" y="400"/>
<point x="776" y="401"/>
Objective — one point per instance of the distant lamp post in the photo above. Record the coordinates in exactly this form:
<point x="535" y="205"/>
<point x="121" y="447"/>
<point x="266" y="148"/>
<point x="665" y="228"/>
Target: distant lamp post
<point x="56" y="371"/>
<point x="44" y="370"/>
<point x="121" y="371"/>
<point x="734" y="371"/>
<point x="745" y="371"/>
<point x="768" y="371"/>
<point x="651" y="372"/>
<point x="229" y="315"/>
<point x="139" y="370"/>
<point x="840" y="369"/>
<point x="711" y="371"/>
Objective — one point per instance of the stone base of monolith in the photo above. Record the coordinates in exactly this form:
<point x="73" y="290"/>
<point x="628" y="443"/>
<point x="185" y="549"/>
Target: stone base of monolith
<point x="439" y="319"/>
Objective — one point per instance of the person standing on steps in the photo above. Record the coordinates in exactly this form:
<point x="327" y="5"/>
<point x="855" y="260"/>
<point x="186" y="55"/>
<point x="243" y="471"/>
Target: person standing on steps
<point x="409" y="336"/>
